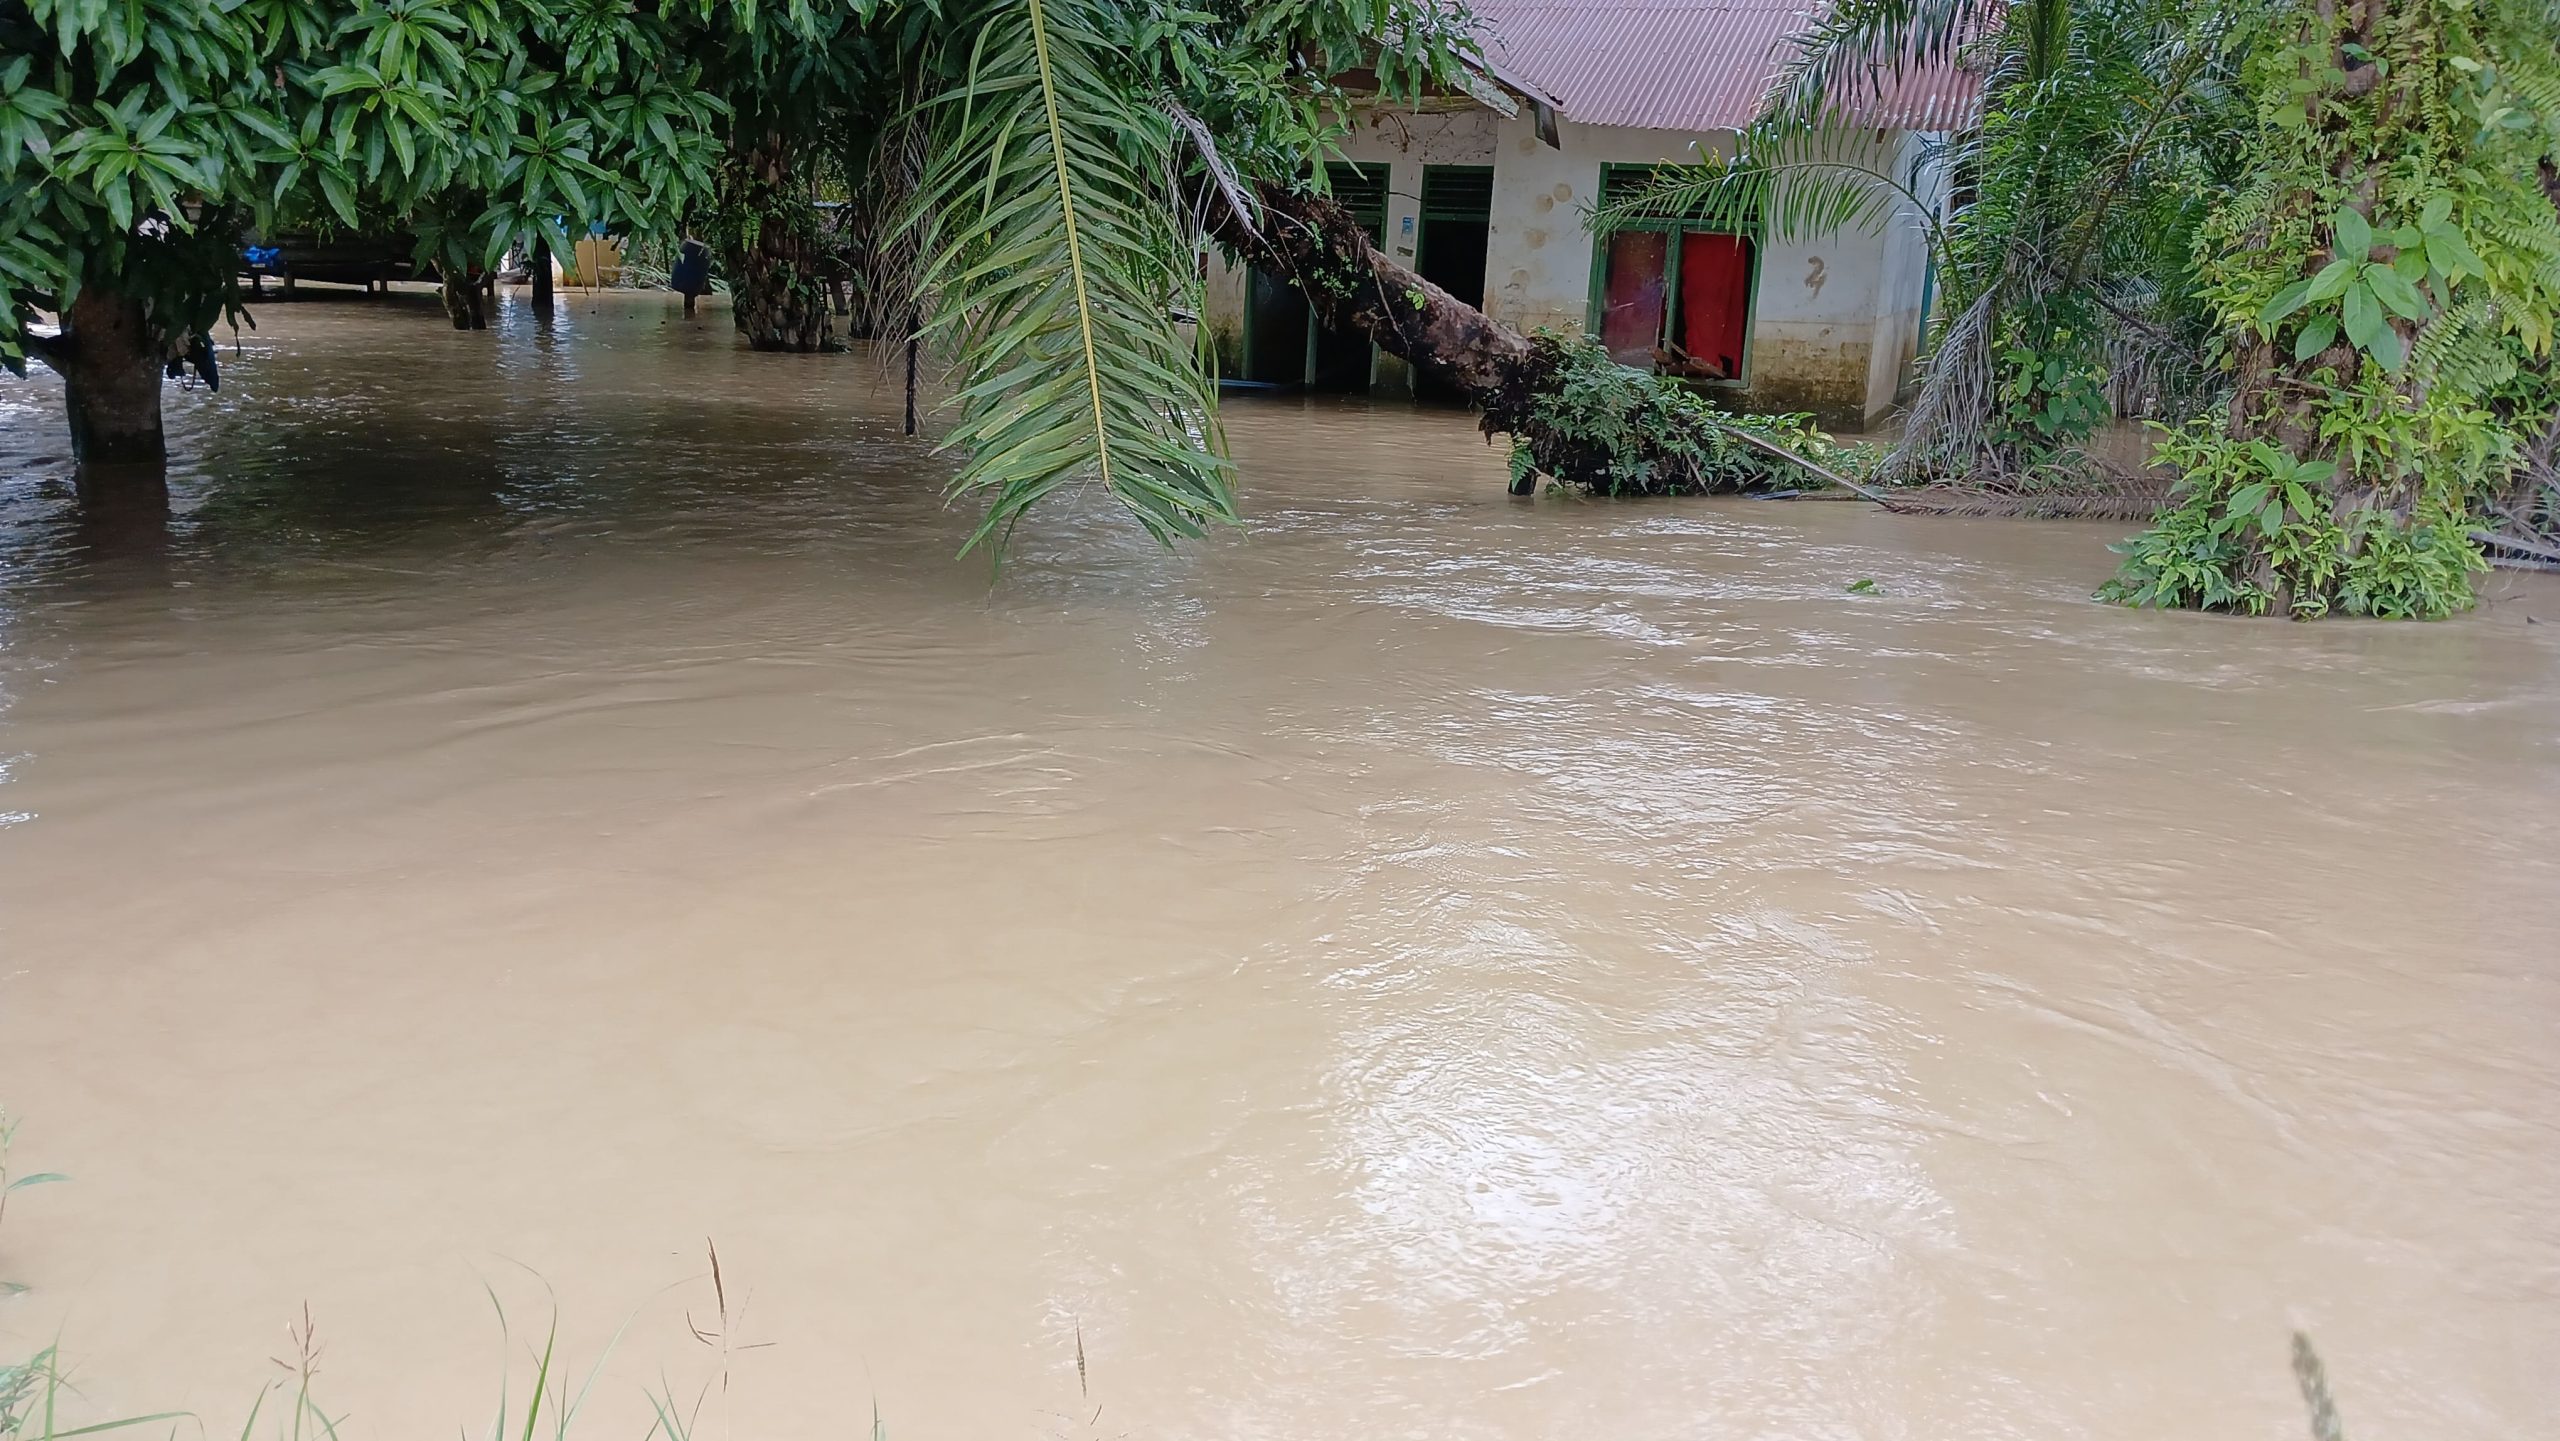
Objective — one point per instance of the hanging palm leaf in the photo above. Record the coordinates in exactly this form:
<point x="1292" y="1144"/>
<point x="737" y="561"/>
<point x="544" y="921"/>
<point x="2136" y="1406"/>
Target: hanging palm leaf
<point x="1052" y="263"/>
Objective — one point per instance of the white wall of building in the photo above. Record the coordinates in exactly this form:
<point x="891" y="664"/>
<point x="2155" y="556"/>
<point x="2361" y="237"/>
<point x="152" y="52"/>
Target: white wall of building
<point x="1834" y="321"/>
<point x="1903" y="294"/>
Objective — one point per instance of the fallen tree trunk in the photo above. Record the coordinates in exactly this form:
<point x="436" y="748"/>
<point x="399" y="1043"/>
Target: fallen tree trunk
<point x="1619" y="430"/>
<point x="1317" y="246"/>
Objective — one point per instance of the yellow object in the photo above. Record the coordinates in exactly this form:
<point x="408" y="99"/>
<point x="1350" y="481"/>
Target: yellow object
<point x="596" y="260"/>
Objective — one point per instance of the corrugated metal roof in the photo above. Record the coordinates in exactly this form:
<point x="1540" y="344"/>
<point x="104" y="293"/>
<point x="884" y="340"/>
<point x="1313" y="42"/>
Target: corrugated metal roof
<point x="1683" y="64"/>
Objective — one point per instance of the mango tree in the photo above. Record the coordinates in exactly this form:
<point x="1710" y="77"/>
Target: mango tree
<point x="141" y="140"/>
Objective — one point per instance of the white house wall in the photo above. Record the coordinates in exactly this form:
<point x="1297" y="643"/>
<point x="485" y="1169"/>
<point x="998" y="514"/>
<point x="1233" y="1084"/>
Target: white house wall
<point x="1833" y="322"/>
<point x="1903" y="295"/>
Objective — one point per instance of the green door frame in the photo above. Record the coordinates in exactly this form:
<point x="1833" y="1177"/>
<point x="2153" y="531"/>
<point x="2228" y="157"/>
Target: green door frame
<point x="1377" y="237"/>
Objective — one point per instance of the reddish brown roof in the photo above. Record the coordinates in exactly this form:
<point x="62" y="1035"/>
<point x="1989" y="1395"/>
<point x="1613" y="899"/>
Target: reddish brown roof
<point x="1682" y="64"/>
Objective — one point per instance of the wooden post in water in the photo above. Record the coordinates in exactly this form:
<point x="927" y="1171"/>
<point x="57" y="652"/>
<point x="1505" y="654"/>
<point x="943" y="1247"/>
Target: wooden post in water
<point x="912" y="321"/>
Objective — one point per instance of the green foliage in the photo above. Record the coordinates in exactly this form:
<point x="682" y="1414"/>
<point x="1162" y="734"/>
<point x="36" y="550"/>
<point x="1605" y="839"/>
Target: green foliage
<point x="1616" y="430"/>
<point x="2373" y="277"/>
<point x="31" y="1395"/>
<point x="140" y="139"/>
<point x="2069" y="272"/>
<point x="2387" y="285"/>
<point x="1052" y="245"/>
<point x="1057" y="240"/>
<point x="1789" y="182"/>
<point x="1038" y="151"/>
<point x="2255" y="529"/>
<point x="1261" y="74"/>
<point x="2401" y="211"/>
<point x="2050" y="387"/>
<point x="31" y="1391"/>
<point x="1522" y="463"/>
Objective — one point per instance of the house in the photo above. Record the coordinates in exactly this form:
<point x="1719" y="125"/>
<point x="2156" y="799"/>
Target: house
<point x="1486" y="193"/>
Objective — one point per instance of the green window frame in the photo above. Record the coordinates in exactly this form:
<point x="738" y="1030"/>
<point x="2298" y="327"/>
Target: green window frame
<point x="1452" y="193"/>
<point x="1620" y="180"/>
<point x="1361" y="188"/>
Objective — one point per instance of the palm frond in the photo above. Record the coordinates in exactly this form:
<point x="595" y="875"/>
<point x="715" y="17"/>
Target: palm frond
<point x="1855" y="49"/>
<point x="1051" y="267"/>
<point x="883" y="188"/>
<point x="1947" y="430"/>
<point x="1785" y="184"/>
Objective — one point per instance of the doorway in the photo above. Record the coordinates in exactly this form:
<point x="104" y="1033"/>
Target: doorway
<point x="1284" y="344"/>
<point x="1457" y="223"/>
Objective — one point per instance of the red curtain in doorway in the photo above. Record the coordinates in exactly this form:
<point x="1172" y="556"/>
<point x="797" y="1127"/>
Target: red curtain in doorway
<point x="1715" y="300"/>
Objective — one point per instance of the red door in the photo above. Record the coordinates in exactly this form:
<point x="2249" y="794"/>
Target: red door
<point x="1715" y="300"/>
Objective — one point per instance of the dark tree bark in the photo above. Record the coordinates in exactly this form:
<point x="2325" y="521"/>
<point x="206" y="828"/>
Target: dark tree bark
<point x="111" y="368"/>
<point x="466" y="299"/>
<point x="774" y="251"/>
<point x="124" y="511"/>
<point x="538" y="271"/>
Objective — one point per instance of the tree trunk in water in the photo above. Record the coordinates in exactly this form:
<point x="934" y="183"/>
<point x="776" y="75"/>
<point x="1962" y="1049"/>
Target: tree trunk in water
<point x="465" y="300"/>
<point x="2278" y="398"/>
<point x="2364" y="425"/>
<point x="538" y="271"/>
<point x="111" y="369"/>
<point x="774" y="252"/>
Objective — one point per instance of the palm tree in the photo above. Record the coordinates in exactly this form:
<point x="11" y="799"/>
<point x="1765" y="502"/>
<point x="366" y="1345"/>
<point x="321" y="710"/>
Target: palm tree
<point x="1067" y="161"/>
<point x="2060" y="216"/>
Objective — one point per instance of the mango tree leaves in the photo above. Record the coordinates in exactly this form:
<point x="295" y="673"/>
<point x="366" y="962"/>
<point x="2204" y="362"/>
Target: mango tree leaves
<point x="127" y="124"/>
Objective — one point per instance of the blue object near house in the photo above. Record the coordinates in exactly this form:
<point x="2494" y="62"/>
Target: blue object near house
<point x="692" y="273"/>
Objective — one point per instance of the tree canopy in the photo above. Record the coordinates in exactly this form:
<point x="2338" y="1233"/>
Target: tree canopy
<point x="1037" y="162"/>
<point x="139" y="139"/>
<point x="2319" y="241"/>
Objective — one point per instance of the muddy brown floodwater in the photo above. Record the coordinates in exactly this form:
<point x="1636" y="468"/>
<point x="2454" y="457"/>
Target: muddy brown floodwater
<point x="1427" y="965"/>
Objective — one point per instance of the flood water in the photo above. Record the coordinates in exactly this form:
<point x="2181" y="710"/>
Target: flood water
<point x="1424" y="965"/>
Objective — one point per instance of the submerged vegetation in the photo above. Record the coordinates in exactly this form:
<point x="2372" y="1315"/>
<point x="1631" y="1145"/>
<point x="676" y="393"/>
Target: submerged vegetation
<point x="536" y="1394"/>
<point x="12" y="1182"/>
